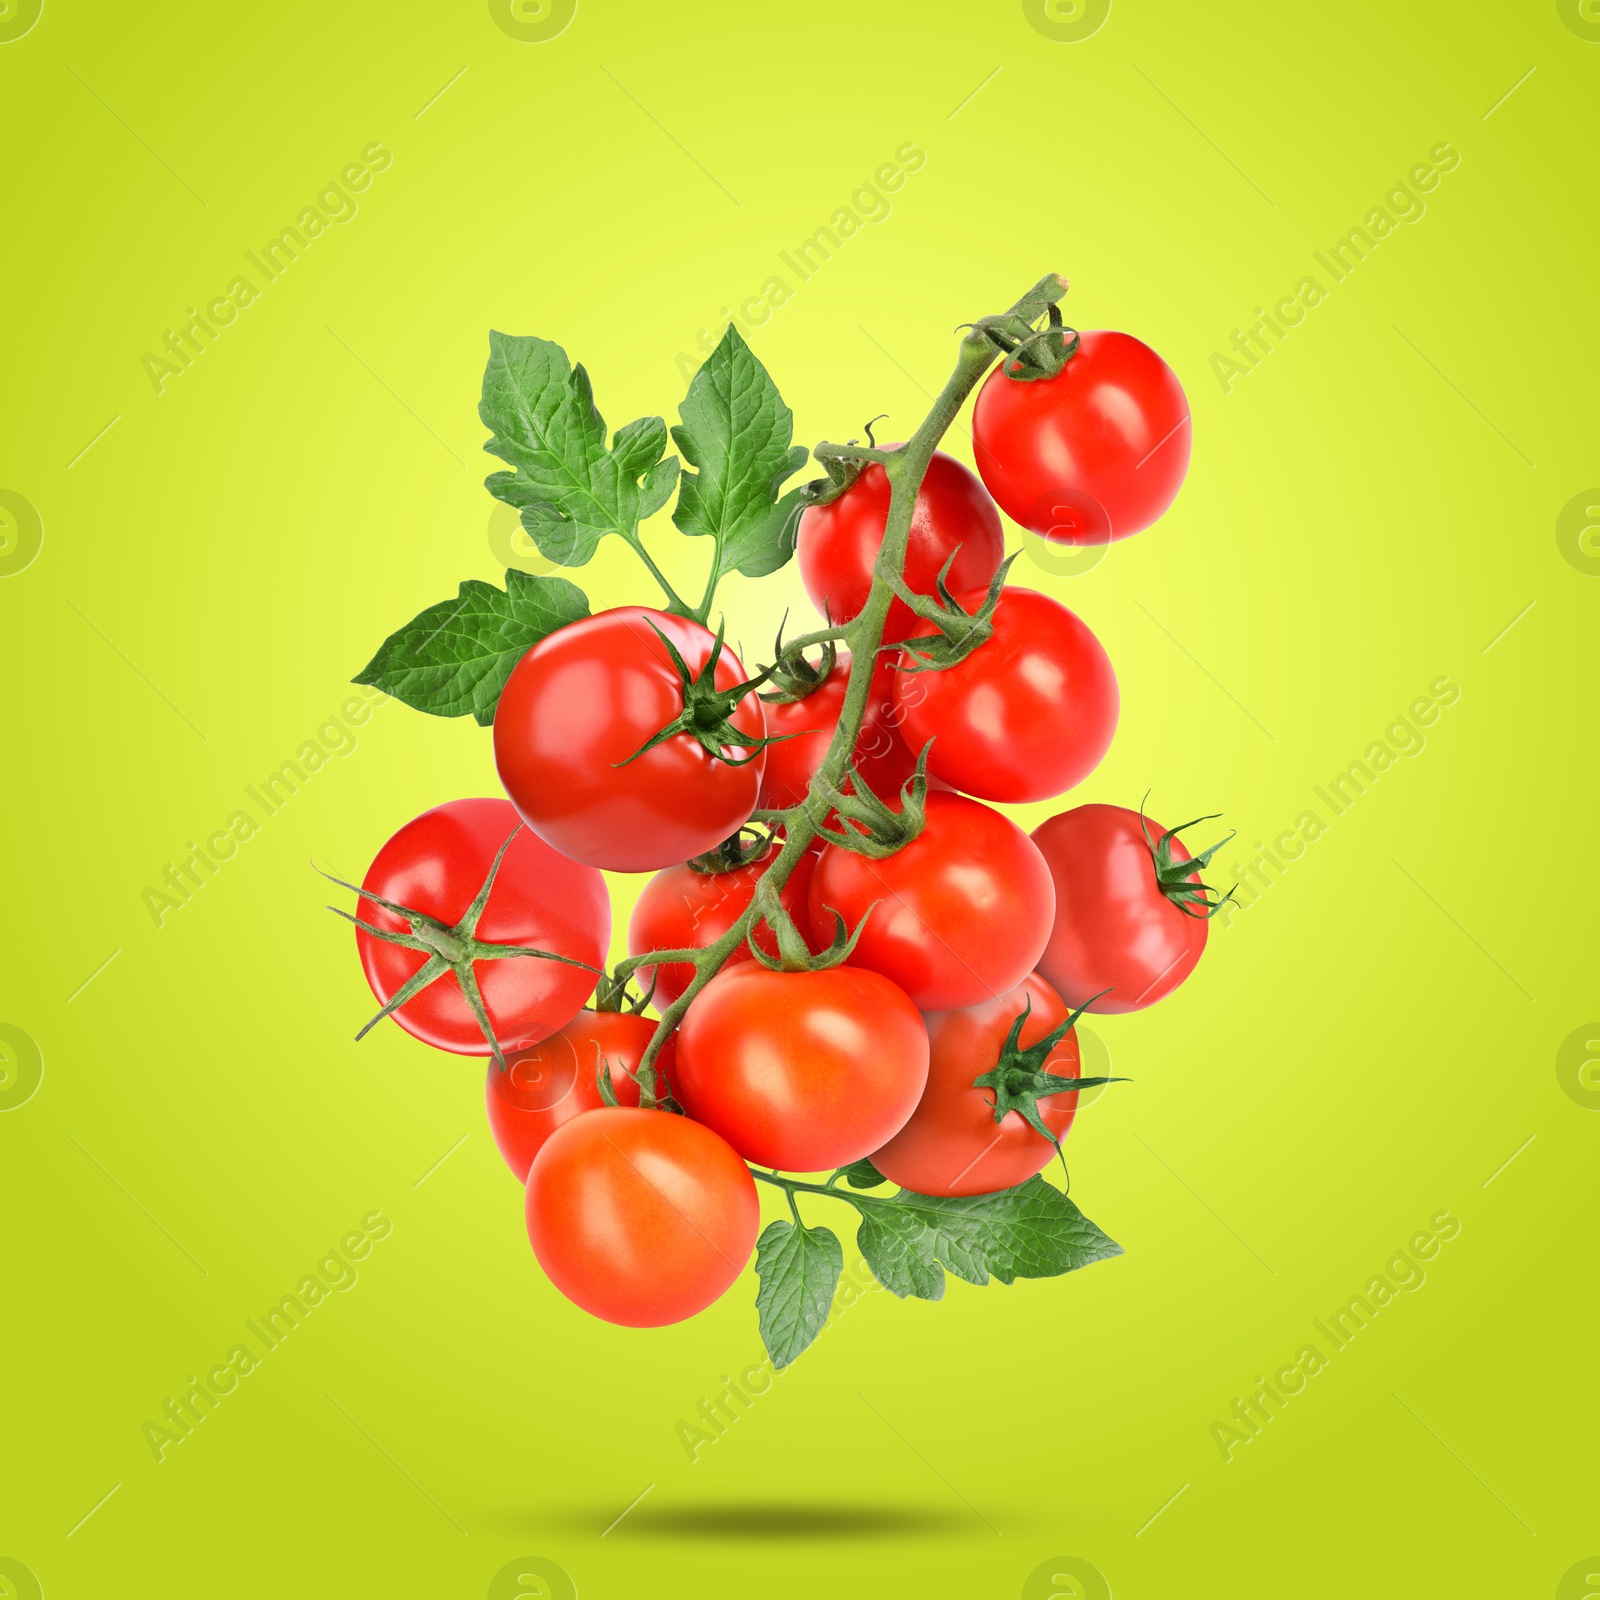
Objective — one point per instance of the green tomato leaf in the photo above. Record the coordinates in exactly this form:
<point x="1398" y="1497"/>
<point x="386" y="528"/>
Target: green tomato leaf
<point x="863" y="1175"/>
<point x="455" y="657"/>
<point x="799" y="1270"/>
<point x="570" y="489"/>
<point x="736" y="432"/>
<point x="1031" y="1231"/>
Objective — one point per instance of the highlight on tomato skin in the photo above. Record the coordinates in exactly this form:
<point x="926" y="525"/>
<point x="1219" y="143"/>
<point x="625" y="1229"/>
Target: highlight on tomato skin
<point x="951" y="1144"/>
<point x="1027" y="715"/>
<point x="641" y="1218"/>
<point x="577" y="711"/>
<point x="1114" y="928"/>
<point x="1095" y="453"/>
<point x="436" y="864"/>
<point x="804" y="1071"/>
<point x="548" y="1084"/>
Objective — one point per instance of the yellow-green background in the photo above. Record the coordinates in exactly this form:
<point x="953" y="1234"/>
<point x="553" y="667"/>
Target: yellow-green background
<point x="1365" y="1047"/>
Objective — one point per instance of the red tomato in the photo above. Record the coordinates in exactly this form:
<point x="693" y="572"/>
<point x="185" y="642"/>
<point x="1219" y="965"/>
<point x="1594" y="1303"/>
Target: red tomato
<point x="962" y="912"/>
<point x="436" y="864"/>
<point x="581" y="702"/>
<point x="684" y="909"/>
<point x="1093" y="454"/>
<point x="640" y="1217"/>
<point x="881" y="755"/>
<point x="838" y="543"/>
<point x="803" y="1071"/>
<point x="1027" y="715"/>
<point x="554" y="1081"/>
<point x="952" y="1144"/>
<point x="1114" y="927"/>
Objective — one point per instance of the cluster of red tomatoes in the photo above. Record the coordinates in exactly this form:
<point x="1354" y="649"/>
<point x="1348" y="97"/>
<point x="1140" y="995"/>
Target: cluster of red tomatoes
<point x="939" y="1045"/>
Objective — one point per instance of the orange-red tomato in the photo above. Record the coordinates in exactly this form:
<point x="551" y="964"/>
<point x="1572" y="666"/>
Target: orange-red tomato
<point x="640" y="1217"/>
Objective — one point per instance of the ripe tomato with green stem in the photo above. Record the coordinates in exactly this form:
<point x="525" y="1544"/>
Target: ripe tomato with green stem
<point x="1089" y="443"/>
<point x="958" y="914"/>
<point x="1001" y="1095"/>
<point x="838" y="542"/>
<point x="631" y="740"/>
<point x="476" y="935"/>
<point x="1131" y="911"/>
<point x="1028" y="714"/>
<point x="546" y="1085"/>
<point x="640" y="1217"/>
<point x="803" y="1070"/>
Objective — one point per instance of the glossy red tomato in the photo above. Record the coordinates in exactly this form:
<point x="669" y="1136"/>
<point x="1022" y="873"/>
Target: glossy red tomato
<point x="838" y="543"/>
<point x="1114" y="926"/>
<point x="436" y="864"/>
<point x="554" y="1081"/>
<point x="1027" y="715"/>
<point x="685" y="909"/>
<point x="962" y="912"/>
<point x="803" y="1071"/>
<point x="952" y="1144"/>
<point x="1093" y="454"/>
<point x="581" y="702"/>
<point x="640" y="1217"/>
<point x="881" y="755"/>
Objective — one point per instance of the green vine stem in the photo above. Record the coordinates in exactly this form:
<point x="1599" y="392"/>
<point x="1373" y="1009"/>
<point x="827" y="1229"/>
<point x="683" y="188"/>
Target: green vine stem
<point x="905" y="467"/>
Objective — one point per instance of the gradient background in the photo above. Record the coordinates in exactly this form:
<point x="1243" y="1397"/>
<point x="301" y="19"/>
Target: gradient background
<point x="1406" y="1012"/>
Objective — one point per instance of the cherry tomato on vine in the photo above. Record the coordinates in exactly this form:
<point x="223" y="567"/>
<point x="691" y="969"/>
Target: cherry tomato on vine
<point x="1093" y="454"/>
<point x="837" y="544"/>
<point x="961" y="913"/>
<point x="640" y="1217"/>
<point x="952" y="1144"/>
<point x="436" y="864"/>
<point x="1129" y="916"/>
<point x="881" y="755"/>
<point x="554" y="1081"/>
<point x="1027" y="715"/>
<point x="684" y="908"/>
<point x="801" y="1070"/>
<point x="574" y="715"/>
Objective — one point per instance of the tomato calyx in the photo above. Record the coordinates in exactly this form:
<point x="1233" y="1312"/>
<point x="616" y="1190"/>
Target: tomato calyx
<point x="1018" y="1079"/>
<point x="794" y="954"/>
<point x="869" y="826"/>
<point x="611" y="994"/>
<point x="1175" y="878"/>
<point x="741" y="849"/>
<point x="792" y="675"/>
<point x="1031" y="353"/>
<point x="960" y="631"/>
<point x="448" y="949"/>
<point x="843" y="464"/>
<point x="707" y="709"/>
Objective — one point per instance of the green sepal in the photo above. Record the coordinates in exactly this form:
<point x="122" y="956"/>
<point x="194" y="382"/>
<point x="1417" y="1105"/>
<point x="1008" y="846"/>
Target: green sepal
<point x="1175" y="878"/>
<point x="707" y="709"/>
<point x="449" y="948"/>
